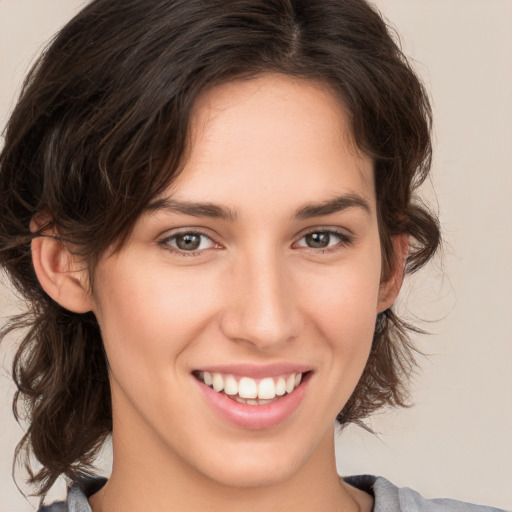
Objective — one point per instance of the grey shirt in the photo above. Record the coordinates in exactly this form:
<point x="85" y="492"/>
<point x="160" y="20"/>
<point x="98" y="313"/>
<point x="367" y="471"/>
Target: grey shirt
<point x="388" y="498"/>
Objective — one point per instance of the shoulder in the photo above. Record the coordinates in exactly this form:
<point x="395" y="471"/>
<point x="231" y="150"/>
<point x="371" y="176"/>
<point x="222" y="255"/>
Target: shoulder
<point x="77" y="498"/>
<point x="390" y="498"/>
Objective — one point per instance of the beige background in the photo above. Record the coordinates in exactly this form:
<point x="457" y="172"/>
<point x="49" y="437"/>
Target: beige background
<point x="456" y="441"/>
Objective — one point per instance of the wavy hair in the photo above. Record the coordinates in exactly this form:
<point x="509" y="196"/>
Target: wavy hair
<point x="100" y="129"/>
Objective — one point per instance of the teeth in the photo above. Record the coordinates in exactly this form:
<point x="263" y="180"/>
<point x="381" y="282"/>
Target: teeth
<point x="280" y="386"/>
<point x="252" y="401"/>
<point x="207" y="377"/>
<point x="267" y="389"/>
<point x="248" y="390"/>
<point x="218" y="382"/>
<point x="290" y="383"/>
<point x="230" y="385"/>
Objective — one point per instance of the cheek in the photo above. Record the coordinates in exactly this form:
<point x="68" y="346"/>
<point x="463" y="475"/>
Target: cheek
<point x="147" y="318"/>
<point x="346" y="297"/>
<point x="345" y="310"/>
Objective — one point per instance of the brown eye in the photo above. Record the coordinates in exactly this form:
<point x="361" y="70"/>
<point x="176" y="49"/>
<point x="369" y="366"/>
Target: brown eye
<point x="324" y="239"/>
<point x="188" y="241"/>
<point x="318" y="240"/>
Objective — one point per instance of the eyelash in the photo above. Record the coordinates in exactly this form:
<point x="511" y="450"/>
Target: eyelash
<point x="344" y="241"/>
<point x="165" y="242"/>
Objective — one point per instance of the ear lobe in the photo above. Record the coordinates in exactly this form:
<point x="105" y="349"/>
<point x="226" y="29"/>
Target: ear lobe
<point x="389" y="289"/>
<point x="59" y="274"/>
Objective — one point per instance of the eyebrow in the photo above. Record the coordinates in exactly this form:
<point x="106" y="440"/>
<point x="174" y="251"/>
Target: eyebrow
<point x="337" y="204"/>
<point x="211" y="210"/>
<point x="194" y="209"/>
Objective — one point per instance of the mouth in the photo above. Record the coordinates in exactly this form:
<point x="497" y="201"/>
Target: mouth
<point x="251" y="391"/>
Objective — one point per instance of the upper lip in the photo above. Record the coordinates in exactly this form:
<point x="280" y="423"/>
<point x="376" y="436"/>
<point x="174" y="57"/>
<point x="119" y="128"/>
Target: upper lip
<point x="256" y="371"/>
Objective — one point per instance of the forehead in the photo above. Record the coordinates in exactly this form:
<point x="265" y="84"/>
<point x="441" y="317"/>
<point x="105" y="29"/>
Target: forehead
<point x="272" y="135"/>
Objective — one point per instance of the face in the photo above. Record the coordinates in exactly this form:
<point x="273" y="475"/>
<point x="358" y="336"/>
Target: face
<point x="258" y="268"/>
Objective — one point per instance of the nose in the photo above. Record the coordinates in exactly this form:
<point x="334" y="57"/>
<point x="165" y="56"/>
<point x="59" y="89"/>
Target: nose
<point x="261" y="306"/>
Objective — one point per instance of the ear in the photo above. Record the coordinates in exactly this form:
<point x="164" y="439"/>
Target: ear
<point x="59" y="273"/>
<point x="389" y="289"/>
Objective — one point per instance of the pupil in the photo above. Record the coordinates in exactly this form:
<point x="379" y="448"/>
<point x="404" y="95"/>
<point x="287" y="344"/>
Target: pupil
<point x="318" y="240"/>
<point x="188" y="242"/>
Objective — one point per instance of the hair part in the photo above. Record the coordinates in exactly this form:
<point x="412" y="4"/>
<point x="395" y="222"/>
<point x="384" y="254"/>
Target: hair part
<point x="101" y="129"/>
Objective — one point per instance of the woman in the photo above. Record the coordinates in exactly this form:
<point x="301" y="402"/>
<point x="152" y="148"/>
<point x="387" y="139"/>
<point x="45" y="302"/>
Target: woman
<point x="218" y="198"/>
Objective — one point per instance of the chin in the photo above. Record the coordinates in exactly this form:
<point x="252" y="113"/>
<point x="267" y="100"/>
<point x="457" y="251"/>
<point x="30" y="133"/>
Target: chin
<point x="255" y="476"/>
<point x="265" y="468"/>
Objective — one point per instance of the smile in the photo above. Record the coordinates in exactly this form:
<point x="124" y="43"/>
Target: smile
<point x="249" y="391"/>
<point x="254" y="397"/>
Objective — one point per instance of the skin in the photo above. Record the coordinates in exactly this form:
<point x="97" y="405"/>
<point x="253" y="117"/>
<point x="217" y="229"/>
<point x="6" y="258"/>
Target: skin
<point x="254" y="292"/>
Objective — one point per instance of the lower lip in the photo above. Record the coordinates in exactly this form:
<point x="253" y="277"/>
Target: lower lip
<point x="254" y="417"/>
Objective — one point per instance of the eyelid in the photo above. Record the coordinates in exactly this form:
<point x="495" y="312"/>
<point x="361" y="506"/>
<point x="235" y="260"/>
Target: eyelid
<point x="346" y="238"/>
<point x="169" y="235"/>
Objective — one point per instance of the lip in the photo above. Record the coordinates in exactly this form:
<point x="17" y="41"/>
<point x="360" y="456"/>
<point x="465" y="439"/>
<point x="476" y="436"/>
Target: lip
<point x="255" y="371"/>
<point x="254" y="417"/>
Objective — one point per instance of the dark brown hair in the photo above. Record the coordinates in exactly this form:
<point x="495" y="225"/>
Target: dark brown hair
<point x="100" y="130"/>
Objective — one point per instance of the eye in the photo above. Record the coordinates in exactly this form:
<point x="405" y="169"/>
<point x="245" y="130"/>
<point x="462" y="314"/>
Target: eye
<point x="188" y="242"/>
<point x="323" y="239"/>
